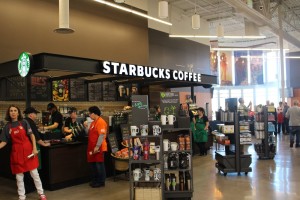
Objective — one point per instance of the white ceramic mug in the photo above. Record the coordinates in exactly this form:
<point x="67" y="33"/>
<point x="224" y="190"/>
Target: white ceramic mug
<point x="156" y="129"/>
<point x="134" y="130"/>
<point x="157" y="174"/>
<point x="171" y="119"/>
<point x="137" y="174"/>
<point x="174" y="146"/>
<point x="157" y="151"/>
<point x="121" y="90"/>
<point x="147" y="174"/>
<point x="144" y="130"/>
<point x="166" y="143"/>
<point x="163" y="119"/>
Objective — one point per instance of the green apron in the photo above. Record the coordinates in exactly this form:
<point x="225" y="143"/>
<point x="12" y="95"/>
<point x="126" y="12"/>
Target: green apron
<point x="200" y="135"/>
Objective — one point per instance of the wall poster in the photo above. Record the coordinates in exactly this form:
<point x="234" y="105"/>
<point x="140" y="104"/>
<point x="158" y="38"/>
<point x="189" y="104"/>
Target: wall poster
<point x="214" y="62"/>
<point x="241" y="71"/>
<point x="225" y="68"/>
<point x="60" y="90"/>
<point x="256" y="67"/>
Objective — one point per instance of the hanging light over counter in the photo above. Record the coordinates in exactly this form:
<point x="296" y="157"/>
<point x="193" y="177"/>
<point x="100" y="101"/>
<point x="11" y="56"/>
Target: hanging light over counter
<point x="196" y="21"/>
<point x="163" y="9"/>
<point x="64" y="18"/>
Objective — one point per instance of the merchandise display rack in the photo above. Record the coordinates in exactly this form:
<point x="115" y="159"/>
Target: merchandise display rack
<point x="267" y="148"/>
<point x="234" y="161"/>
<point x="172" y="134"/>
<point x="143" y="187"/>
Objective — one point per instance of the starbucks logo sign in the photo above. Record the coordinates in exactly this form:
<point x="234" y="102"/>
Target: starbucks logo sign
<point x="24" y="64"/>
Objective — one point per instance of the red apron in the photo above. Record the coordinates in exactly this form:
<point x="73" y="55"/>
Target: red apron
<point x="21" y="148"/>
<point x="92" y="141"/>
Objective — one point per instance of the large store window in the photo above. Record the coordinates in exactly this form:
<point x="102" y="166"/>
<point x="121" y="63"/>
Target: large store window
<point x="248" y="96"/>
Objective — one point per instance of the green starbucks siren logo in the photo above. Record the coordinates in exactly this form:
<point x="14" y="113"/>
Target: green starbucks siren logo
<point x="24" y="64"/>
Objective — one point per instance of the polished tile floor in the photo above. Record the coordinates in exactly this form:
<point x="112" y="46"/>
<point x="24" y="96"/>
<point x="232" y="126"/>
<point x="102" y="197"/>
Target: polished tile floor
<point x="270" y="179"/>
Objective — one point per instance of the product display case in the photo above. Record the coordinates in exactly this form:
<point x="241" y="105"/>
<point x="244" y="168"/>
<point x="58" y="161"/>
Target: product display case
<point x="264" y="132"/>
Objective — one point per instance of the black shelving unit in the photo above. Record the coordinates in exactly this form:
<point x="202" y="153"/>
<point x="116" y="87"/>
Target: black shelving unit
<point x="267" y="148"/>
<point x="172" y="134"/>
<point x="142" y="183"/>
<point x="234" y="161"/>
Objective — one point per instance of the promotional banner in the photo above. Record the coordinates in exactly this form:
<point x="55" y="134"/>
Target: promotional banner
<point x="225" y="68"/>
<point x="60" y="90"/>
<point x="214" y="63"/>
<point x="256" y="67"/>
<point x="241" y="71"/>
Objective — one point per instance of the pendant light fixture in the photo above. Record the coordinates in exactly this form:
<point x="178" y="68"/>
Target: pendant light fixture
<point x="120" y="1"/>
<point x="163" y="9"/>
<point x="195" y="19"/>
<point x="220" y="30"/>
<point x="64" y="18"/>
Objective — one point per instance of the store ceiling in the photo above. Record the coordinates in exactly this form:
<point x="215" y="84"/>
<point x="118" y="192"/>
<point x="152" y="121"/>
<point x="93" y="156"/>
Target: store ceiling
<point x="233" y="14"/>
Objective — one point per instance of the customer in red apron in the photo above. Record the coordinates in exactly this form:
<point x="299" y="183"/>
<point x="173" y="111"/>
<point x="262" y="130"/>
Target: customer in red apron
<point x="96" y="147"/>
<point x="18" y="132"/>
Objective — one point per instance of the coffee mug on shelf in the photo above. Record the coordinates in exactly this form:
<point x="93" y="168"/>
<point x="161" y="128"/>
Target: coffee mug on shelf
<point x="147" y="174"/>
<point x="134" y="130"/>
<point x="157" y="152"/>
<point x="171" y="119"/>
<point x="156" y="130"/>
<point x="137" y="174"/>
<point x="157" y="174"/>
<point x="174" y="146"/>
<point x="166" y="144"/>
<point x="163" y="119"/>
<point x="144" y="129"/>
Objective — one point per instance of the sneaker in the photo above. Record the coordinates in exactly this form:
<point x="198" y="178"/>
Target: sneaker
<point x="43" y="197"/>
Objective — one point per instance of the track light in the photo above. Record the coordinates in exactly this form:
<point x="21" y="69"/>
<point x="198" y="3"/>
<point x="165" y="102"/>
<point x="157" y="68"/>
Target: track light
<point x="64" y="18"/>
<point x="163" y="9"/>
<point x="196" y="21"/>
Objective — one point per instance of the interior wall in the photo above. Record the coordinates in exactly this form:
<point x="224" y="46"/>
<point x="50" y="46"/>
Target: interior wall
<point x="293" y="71"/>
<point x="101" y="32"/>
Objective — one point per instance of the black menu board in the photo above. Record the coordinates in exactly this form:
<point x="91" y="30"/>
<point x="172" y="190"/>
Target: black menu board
<point x="113" y="143"/>
<point x="140" y="110"/>
<point x="77" y="90"/>
<point x="109" y="91"/>
<point x="169" y="103"/>
<point x="40" y="90"/>
<point x="15" y="89"/>
<point x="125" y="131"/>
<point x="95" y="91"/>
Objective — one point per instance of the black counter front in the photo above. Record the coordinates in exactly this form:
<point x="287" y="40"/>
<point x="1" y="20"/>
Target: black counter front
<point x="64" y="165"/>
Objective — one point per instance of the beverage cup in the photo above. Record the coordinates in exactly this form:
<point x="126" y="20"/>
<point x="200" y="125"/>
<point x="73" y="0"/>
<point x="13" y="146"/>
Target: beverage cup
<point x="166" y="144"/>
<point x="134" y="130"/>
<point x="121" y="90"/>
<point x="156" y="130"/>
<point x="157" y="152"/>
<point x="137" y="174"/>
<point x="174" y="146"/>
<point x="171" y="119"/>
<point x="163" y="119"/>
<point x="157" y="174"/>
<point x="136" y="152"/>
<point x="144" y="130"/>
<point x="147" y="174"/>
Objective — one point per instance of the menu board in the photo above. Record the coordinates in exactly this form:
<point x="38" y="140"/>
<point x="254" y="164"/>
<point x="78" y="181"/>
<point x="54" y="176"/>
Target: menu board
<point x="125" y="131"/>
<point x="140" y="110"/>
<point x="109" y="91"/>
<point x="40" y="90"/>
<point x="77" y="90"/>
<point x="169" y="103"/>
<point x="95" y="91"/>
<point x="60" y="90"/>
<point x="15" y="89"/>
<point x="113" y="143"/>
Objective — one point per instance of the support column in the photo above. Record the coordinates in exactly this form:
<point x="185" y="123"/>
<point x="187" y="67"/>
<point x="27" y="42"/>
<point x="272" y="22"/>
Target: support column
<point x="281" y="53"/>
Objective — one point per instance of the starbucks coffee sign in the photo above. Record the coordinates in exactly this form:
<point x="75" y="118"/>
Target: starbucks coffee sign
<point x="24" y="64"/>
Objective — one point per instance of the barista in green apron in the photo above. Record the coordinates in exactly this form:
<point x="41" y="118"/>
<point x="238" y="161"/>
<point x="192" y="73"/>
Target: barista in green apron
<point x="55" y="122"/>
<point x="31" y="114"/>
<point x="200" y="130"/>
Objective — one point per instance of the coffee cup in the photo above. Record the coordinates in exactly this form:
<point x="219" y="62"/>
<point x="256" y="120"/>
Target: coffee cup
<point x="121" y="90"/>
<point x="134" y="130"/>
<point x="166" y="144"/>
<point x="144" y="130"/>
<point x="136" y="152"/>
<point x="157" y="174"/>
<point x="171" y="119"/>
<point x="147" y="174"/>
<point x="157" y="152"/>
<point x="174" y="146"/>
<point x="156" y="130"/>
<point x="137" y="174"/>
<point x="163" y="119"/>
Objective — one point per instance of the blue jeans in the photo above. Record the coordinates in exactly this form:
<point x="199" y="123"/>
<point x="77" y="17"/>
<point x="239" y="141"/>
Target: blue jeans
<point x="98" y="172"/>
<point x="295" y="130"/>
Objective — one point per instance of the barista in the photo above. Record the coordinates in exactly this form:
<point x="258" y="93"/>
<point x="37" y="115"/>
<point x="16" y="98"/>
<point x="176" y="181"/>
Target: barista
<point x="157" y="112"/>
<point x="72" y="129"/>
<point x="55" y="122"/>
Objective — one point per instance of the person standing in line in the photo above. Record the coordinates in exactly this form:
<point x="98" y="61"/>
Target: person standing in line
<point x="55" y="123"/>
<point x="280" y="118"/>
<point x="293" y="114"/>
<point x="23" y="157"/>
<point x="97" y="146"/>
<point x="286" y="120"/>
<point x="201" y="127"/>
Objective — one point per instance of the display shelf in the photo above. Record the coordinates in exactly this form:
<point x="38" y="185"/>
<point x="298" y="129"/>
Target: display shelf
<point x="143" y="181"/>
<point x="177" y="151"/>
<point x="145" y="136"/>
<point x="178" y="170"/>
<point x="144" y="161"/>
<point x="178" y="194"/>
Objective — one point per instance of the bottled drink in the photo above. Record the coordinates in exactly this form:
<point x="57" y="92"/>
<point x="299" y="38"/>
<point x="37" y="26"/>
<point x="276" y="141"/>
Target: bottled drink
<point x="167" y="177"/>
<point x="181" y="181"/>
<point x="187" y="181"/>
<point x="146" y="148"/>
